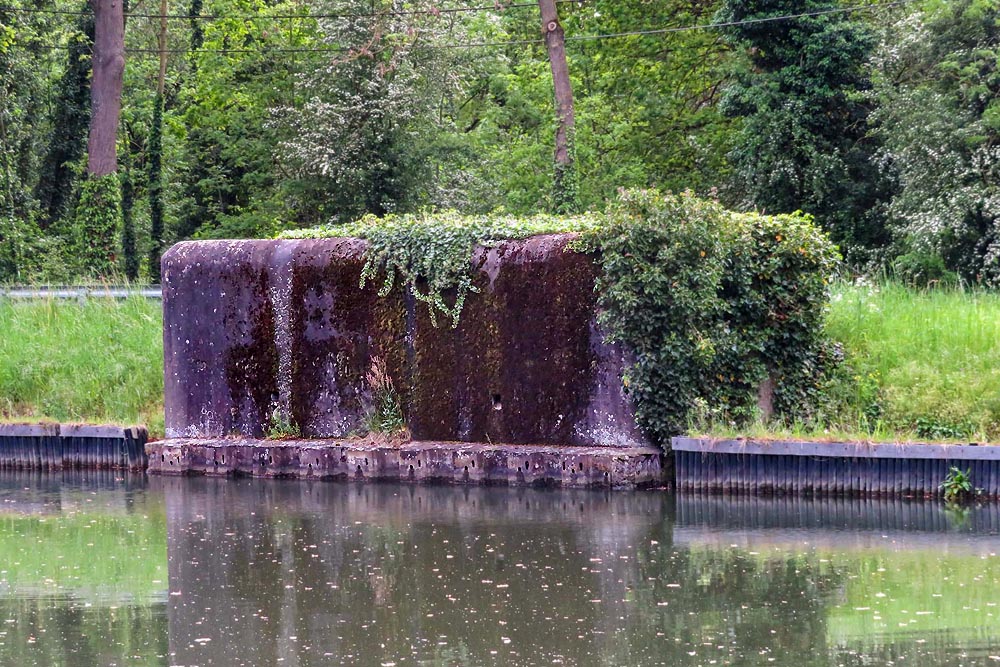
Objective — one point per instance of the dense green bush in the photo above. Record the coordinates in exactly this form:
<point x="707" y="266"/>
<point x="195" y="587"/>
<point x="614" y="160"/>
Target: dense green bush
<point x="710" y="303"/>
<point x="28" y="257"/>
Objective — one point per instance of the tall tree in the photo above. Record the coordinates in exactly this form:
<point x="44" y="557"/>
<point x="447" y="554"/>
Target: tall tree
<point x="799" y="89"/>
<point x="555" y="43"/>
<point x="98" y="215"/>
<point x="106" y="86"/>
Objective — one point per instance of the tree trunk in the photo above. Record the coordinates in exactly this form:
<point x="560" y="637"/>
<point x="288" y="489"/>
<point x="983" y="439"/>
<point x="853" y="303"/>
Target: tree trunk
<point x="106" y="86"/>
<point x="556" y="44"/>
<point x="162" y="43"/>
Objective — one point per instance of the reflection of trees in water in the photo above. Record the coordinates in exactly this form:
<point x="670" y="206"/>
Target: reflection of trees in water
<point x="65" y="633"/>
<point x="318" y="574"/>
<point x="727" y="605"/>
<point x="385" y="574"/>
<point x="82" y="570"/>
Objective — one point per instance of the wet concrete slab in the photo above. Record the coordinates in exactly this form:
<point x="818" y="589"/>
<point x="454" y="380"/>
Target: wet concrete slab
<point x="412" y="461"/>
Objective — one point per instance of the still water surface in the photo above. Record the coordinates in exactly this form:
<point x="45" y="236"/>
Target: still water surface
<point x="98" y="570"/>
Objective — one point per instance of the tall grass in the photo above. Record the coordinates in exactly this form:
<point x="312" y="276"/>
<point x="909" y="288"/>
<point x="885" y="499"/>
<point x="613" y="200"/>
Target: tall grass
<point x="920" y="365"/>
<point x="96" y="361"/>
<point x="925" y="362"/>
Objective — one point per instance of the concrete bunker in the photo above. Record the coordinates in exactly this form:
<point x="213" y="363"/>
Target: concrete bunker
<point x="260" y="330"/>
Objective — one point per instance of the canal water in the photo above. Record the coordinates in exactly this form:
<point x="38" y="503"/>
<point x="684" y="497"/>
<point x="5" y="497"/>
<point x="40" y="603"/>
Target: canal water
<point x="103" y="570"/>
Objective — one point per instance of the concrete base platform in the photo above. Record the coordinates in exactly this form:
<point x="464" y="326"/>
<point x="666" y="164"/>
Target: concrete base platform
<point x="448" y="462"/>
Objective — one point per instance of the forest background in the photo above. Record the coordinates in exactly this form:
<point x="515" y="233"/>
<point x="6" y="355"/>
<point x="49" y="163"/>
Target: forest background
<point x="245" y="118"/>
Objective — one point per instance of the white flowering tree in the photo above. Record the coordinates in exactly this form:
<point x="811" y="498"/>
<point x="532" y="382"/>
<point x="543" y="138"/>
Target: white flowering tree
<point x="939" y="121"/>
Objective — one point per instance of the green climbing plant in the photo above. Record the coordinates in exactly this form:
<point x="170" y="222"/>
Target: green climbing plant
<point x="431" y="253"/>
<point x="97" y="230"/>
<point x="711" y="303"/>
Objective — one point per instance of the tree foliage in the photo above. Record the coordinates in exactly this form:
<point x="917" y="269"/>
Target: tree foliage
<point x="939" y="119"/>
<point x="799" y="87"/>
<point x="882" y="124"/>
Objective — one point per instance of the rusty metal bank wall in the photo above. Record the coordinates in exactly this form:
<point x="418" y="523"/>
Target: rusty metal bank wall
<point x="72" y="446"/>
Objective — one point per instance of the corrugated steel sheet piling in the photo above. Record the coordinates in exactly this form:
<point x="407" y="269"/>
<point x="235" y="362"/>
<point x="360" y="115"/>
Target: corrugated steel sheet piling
<point x="69" y="446"/>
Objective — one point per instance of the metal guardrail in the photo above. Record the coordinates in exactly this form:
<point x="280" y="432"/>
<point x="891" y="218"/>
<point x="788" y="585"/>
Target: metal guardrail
<point x="81" y="293"/>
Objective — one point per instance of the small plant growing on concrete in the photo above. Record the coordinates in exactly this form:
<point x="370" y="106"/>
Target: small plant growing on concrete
<point x="957" y="485"/>
<point x="281" y="426"/>
<point x="385" y="416"/>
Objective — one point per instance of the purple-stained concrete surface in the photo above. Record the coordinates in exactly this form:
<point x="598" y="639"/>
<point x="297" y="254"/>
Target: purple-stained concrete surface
<point x="257" y="328"/>
<point x="449" y="462"/>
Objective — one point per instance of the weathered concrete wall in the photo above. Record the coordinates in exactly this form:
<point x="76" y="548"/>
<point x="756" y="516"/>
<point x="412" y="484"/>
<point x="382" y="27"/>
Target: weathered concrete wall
<point x="251" y="325"/>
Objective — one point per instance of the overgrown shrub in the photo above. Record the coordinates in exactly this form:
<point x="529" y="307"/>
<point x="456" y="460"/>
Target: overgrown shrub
<point x="26" y="256"/>
<point x="711" y="303"/>
<point x="923" y="269"/>
<point x="12" y="244"/>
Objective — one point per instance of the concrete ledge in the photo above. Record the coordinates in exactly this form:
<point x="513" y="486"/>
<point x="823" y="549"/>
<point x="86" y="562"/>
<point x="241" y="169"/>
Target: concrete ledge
<point x="443" y="462"/>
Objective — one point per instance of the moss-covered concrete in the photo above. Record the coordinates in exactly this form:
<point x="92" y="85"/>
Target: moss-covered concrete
<point x="257" y="329"/>
<point x="415" y="461"/>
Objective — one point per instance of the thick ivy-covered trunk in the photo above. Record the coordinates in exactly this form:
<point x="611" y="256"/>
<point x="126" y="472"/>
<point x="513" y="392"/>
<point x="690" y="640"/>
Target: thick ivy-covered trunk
<point x="565" y="175"/>
<point x="130" y="252"/>
<point x="98" y="225"/>
<point x="69" y="126"/>
<point x="155" y="190"/>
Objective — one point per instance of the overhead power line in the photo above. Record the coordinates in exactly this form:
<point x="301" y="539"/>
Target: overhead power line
<point x="731" y="24"/>
<point x="265" y="17"/>
<point x="521" y="42"/>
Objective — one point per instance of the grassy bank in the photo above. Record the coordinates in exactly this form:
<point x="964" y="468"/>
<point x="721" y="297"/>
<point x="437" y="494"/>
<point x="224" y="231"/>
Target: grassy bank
<point x="927" y="362"/>
<point x="920" y="365"/>
<point x="96" y="361"/>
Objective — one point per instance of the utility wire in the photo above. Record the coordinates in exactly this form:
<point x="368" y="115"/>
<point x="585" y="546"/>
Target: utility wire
<point x="731" y="24"/>
<point x="568" y="38"/>
<point x="258" y="17"/>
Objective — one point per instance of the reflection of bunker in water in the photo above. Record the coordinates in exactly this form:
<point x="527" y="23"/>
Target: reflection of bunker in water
<point x="370" y="574"/>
